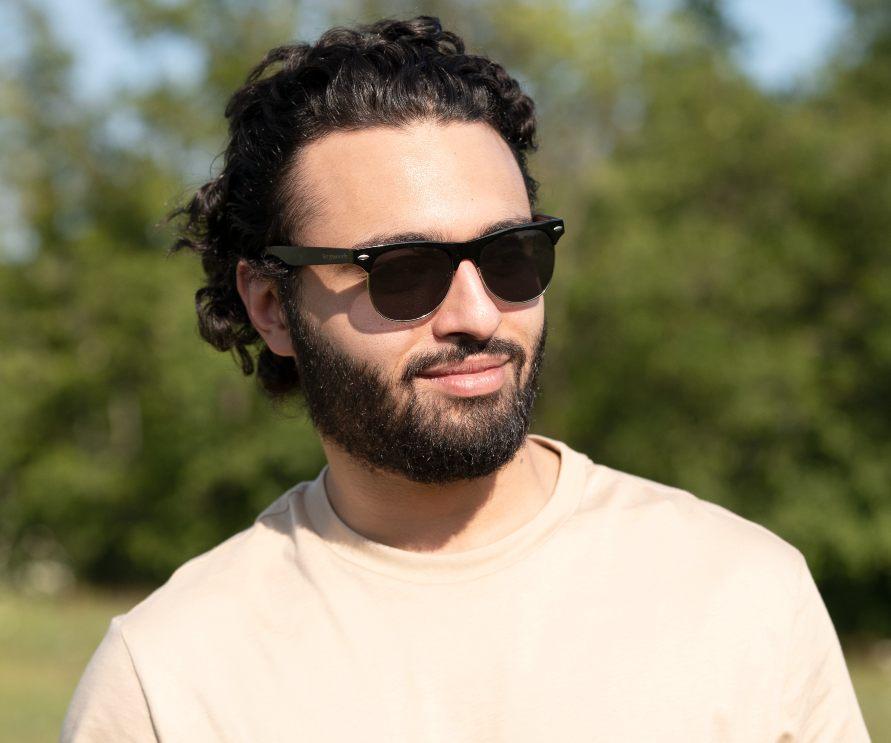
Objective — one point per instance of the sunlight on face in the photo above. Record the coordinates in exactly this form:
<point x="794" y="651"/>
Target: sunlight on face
<point x="447" y="181"/>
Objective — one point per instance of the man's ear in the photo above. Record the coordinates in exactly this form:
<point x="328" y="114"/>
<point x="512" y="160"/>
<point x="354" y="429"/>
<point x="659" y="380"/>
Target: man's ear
<point x="264" y="309"/>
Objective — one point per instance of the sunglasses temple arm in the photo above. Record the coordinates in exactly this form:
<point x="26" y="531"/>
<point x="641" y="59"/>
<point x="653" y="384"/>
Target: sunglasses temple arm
<point x="294" y="255"/>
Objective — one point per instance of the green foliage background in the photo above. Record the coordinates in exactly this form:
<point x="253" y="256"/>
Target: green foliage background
<point x="720" y="321"/>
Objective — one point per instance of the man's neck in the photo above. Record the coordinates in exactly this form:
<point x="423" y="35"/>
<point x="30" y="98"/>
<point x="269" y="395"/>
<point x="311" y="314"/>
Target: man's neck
<point x="454" y="517"/>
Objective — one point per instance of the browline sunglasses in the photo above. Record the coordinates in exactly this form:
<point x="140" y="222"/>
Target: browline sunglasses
<point x="409" y="280"/>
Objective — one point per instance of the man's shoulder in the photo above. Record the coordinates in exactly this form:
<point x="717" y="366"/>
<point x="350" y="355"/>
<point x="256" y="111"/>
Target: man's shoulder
<point x="226" y="579"/>
<point x="679" y="529"/>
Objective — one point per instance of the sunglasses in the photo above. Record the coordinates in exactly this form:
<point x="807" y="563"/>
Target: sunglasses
<point x="409" y="280"/>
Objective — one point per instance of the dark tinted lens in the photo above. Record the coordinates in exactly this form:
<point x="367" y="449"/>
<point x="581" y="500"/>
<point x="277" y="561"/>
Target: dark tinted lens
<point x="407" y="283"/>
<point x="518" y="267"/>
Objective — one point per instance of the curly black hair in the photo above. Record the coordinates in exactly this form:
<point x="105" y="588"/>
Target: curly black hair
<point x="388" y="73"/>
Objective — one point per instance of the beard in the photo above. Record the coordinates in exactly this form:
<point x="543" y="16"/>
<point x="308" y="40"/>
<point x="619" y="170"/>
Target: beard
<point x="388" y="425"/>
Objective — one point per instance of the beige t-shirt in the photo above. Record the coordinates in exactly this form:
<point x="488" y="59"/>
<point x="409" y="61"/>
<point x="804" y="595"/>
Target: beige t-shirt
<point x="623" y="611"/>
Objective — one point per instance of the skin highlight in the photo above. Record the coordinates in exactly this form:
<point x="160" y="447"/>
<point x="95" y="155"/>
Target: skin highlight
<point x="442" y="181"/>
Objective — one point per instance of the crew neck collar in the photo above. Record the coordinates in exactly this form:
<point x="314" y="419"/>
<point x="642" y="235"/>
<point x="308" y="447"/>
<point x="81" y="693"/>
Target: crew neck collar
<point x="427" y="567"/>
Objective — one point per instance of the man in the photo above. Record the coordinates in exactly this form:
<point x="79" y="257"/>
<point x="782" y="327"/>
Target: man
<point x="446" y="577"/>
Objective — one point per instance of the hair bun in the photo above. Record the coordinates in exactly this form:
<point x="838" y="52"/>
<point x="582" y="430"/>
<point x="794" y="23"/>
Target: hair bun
<point x="425" y="29"/>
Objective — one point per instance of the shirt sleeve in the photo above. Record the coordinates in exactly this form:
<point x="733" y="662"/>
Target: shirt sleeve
<point x="109" y="703"/>
<point x="819" y="703"/>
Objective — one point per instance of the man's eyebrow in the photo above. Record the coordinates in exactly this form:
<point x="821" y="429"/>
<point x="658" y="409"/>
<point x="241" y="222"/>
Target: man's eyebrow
<point x="386" y="238"/>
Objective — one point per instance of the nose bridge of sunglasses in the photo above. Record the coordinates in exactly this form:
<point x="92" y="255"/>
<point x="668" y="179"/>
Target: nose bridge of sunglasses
<point x="463" y="253"/>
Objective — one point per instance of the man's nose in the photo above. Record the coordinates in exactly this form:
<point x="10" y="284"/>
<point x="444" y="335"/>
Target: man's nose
<point x="468" y="309"/>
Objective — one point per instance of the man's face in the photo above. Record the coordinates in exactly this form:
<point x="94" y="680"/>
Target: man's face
<point x="365" y="378"/>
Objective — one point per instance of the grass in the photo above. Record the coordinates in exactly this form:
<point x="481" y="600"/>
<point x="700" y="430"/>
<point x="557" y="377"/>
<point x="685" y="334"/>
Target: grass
<point x="871" y="674"/>
<point x="45" y="644"/>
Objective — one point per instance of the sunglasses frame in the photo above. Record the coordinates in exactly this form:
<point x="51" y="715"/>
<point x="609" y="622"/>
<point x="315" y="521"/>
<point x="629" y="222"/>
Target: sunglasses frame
<point x="295" y="255"/>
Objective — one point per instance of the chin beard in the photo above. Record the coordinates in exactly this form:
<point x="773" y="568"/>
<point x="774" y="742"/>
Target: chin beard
<point x="390" y="426"/>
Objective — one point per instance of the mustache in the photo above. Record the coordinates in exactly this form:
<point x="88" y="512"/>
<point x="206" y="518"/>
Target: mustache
<point x="461" y="350"/>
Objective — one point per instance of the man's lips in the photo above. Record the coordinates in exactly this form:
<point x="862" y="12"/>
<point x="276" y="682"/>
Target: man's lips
<point x="468" y="366"/>
<point x="483" y="375"/>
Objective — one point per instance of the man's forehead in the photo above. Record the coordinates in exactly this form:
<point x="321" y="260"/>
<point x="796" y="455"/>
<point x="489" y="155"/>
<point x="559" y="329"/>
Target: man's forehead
<point x="425" y="181"/>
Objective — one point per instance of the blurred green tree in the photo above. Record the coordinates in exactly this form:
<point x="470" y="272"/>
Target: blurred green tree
<point x="731" y="324"/>
<point x="126" y="445"/>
